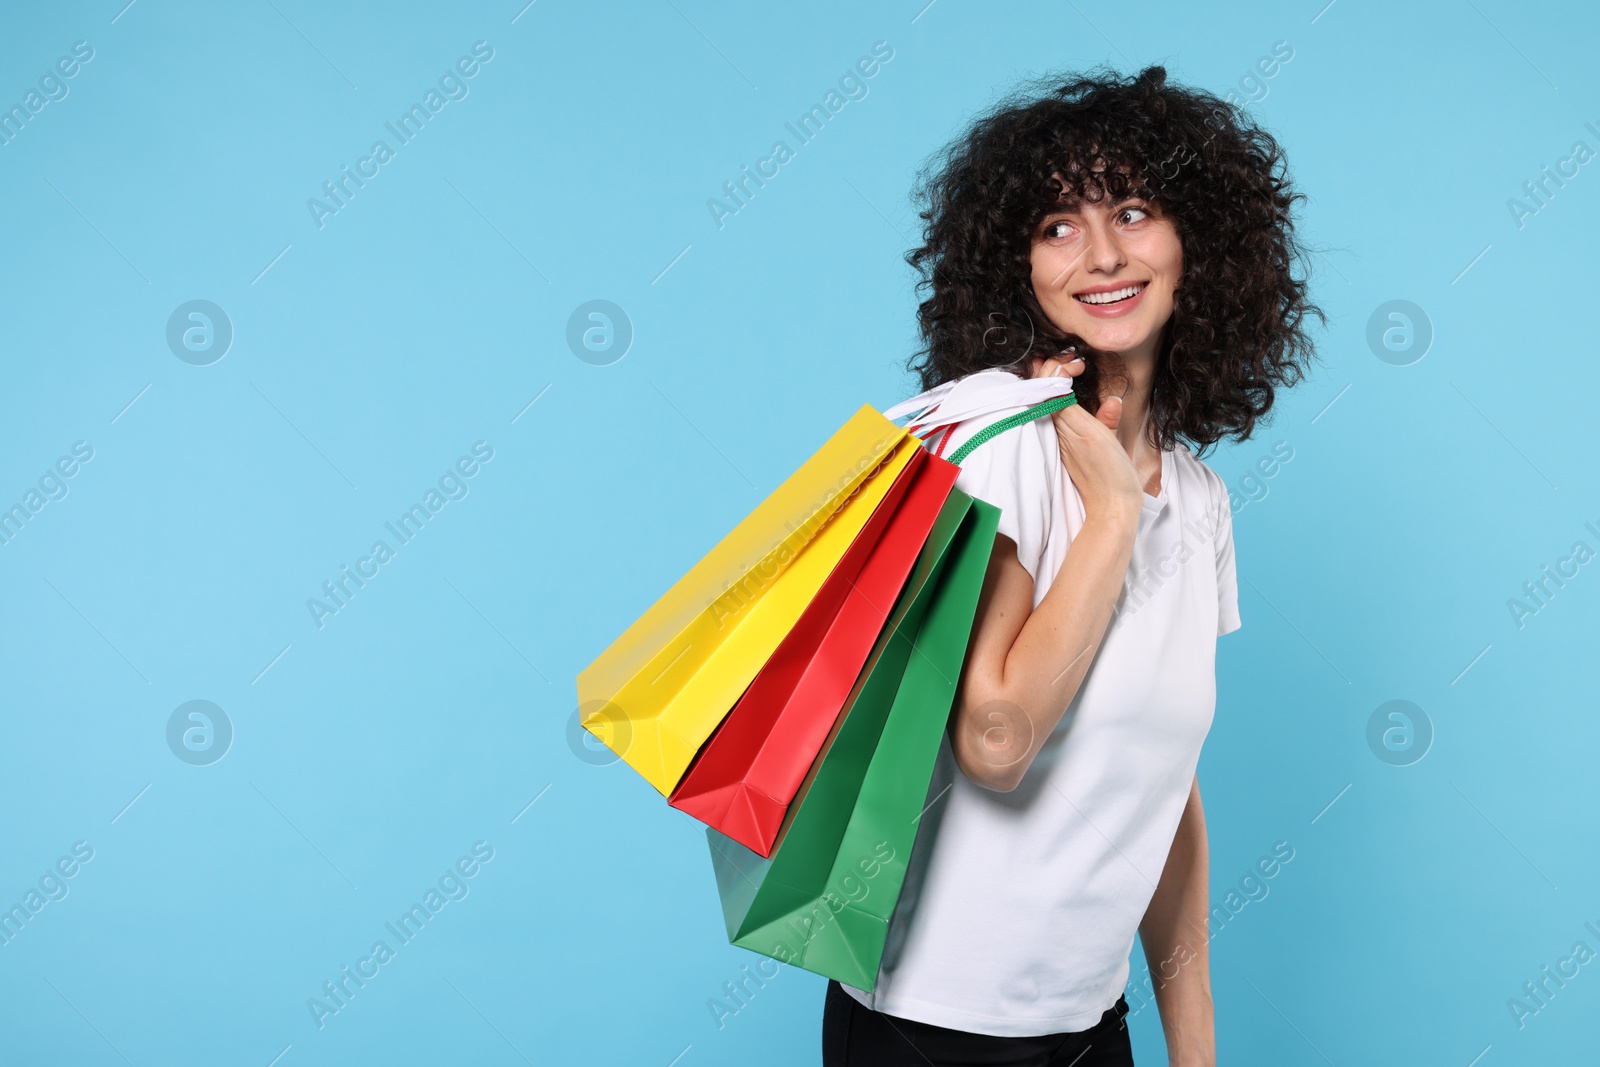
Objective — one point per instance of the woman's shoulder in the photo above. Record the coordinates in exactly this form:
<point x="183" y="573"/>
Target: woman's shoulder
<point x="1018" y="473"/>
<point x="1022" y="453"/>
<point x="1191" y="465"/>
<point x="1190" y="468"/>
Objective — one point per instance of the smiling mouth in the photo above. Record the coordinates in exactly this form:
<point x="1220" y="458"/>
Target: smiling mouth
<point x="1115" y="296"/>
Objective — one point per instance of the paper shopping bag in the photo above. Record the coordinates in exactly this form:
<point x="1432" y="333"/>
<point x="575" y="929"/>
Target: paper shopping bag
<point x="748" y="773"/>
<point x="661" y="688"/>
<point x="822" y="901"/>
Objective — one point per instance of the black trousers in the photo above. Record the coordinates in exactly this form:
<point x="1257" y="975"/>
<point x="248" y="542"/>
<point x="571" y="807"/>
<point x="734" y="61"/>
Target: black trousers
<point x="857" y="1036"/>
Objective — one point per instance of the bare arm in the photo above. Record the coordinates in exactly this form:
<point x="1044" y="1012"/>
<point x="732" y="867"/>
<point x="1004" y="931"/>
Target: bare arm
<point x="1025" y="664"/>
<point x="1177" y="945"/>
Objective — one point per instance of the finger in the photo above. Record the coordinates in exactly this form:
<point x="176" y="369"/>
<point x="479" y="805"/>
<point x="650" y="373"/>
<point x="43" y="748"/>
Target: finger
<point x="1110" y="413"/>
<point x="1046" y="366"/>
<point x="1057" y="366"/>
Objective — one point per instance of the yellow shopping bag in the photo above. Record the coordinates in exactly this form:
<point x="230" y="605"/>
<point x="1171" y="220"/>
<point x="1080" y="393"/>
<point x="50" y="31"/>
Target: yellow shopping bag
<point x="662" y="687"/>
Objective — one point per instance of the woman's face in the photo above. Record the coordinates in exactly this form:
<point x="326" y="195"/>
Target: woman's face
<point x="1107" y="272"/>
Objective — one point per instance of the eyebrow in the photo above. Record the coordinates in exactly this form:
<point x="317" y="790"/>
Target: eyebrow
<point x="1069" y="207"/>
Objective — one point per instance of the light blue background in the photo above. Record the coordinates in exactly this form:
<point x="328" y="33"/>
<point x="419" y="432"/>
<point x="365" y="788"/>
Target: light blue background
<point x="427" y="314"/>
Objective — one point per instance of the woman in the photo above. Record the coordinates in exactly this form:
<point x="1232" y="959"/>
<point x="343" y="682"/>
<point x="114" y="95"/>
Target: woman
<point x="1134" y="237"/>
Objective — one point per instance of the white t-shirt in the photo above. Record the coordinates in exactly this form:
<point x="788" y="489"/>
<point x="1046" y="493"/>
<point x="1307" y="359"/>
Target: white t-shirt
<point x="1019" y="909"/>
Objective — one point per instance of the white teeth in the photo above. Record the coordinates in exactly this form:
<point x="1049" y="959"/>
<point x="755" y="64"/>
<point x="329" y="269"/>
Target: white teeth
<point x="1111" y="297"/>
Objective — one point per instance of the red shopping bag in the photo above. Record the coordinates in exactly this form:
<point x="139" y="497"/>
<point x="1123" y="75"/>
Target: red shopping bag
<point x="746" y="775"/>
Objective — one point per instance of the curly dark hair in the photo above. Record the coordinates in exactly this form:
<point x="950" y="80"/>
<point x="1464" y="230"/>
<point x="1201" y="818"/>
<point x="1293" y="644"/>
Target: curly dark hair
<point x="1238" y="328"/>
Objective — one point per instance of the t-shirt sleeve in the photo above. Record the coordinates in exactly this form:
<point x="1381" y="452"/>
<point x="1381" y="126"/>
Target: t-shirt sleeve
<point x="1011" y="472"/>
<point x="1227" y="576"/>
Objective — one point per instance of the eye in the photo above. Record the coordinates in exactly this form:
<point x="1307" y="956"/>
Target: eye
<point x="1056" y="230"/>
<point x="1139" y="213"/>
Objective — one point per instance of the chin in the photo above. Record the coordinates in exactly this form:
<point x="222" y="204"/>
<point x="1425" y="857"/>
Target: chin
<point x="1117" y="339"/>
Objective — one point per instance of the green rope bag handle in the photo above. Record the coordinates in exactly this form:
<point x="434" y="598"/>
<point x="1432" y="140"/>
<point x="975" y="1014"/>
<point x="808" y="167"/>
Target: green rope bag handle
<point x="1049" y="407"/>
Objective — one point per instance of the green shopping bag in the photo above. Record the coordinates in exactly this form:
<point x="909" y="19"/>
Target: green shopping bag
<point x="822" y="901"/>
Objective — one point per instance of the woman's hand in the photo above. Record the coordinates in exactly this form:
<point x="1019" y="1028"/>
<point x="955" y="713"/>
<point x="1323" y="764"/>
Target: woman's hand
<point x="1096" y="462"/>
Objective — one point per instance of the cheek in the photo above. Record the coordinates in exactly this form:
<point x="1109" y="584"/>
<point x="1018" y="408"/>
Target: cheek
<point x="1038" y="261"/>
<point x="1163" y="255"/>
<point x="1050" y="270"/>
<point x="1170" y="253"/>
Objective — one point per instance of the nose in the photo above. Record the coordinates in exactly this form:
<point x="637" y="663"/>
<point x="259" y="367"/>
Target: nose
<point x="1103" y="248"/>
